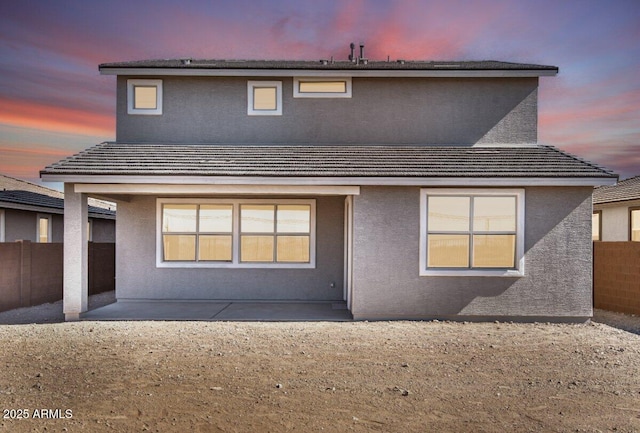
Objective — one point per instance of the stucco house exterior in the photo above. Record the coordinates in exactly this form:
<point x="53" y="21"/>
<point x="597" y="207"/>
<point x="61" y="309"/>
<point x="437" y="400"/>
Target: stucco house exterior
<point x="406" y="189"/>
<point x="616" y="211"/>
<point x="34" y="213"/>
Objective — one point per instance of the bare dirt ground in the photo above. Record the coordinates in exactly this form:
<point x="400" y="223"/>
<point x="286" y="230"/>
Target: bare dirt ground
<point x="313" y="377"/>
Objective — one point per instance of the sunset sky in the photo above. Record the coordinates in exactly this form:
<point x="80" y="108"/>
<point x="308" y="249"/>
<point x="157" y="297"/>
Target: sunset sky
<point x="54" y="103"/>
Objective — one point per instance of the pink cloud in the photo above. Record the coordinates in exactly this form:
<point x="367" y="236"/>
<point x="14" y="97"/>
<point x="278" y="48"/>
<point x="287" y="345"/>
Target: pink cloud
<point x="27" y="114"/>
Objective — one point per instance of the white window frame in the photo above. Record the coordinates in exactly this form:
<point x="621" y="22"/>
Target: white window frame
<point x="467" y="192"/>
<point x="131" y="84"/>
<point x="49" y="228"/>
<point x="235" y="262"/>
<point x="257" y="84"/>
<point x="2" y="225"/>
<point x="298" y="94"/>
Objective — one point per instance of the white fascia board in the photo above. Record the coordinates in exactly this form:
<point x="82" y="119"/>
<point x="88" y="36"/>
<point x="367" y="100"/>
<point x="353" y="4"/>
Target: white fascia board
<point x="382" y="73"/>
<point x="235" y="189"/>
<point x="330" y="181"/>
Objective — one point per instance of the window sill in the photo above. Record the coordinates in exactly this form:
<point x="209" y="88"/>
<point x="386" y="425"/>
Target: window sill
<point x="513" y="273"/>
<point x="194" y="265"/>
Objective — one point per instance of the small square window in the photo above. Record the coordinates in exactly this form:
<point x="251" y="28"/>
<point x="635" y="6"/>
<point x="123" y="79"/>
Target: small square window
<point x="144" y="97"/>
<point x="264" y="98"/>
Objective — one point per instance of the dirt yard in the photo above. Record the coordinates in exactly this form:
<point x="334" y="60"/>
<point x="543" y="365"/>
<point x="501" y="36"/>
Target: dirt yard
<point x="318" y="377"/>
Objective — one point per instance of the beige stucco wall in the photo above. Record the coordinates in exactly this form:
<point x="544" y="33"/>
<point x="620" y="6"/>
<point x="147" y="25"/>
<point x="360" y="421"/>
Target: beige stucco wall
<point x="615" y="220"/>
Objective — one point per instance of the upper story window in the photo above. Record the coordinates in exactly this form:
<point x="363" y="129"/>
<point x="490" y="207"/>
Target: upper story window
<point x="314" y="87"/>
<point x="264" y="98"/>
<point x="634" y="224"/>
<point x="144" y="96"/>
<point x="472" y="232"/>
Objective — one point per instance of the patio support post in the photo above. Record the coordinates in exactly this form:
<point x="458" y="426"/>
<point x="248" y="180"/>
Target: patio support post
<point x="75" y="254"/>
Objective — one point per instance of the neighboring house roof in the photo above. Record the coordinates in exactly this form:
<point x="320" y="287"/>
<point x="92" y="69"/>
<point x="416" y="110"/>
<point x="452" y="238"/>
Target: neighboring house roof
<point x="341" y="161"/>
<point x="628" y="189"/>
<point x="365" y="68"/>
<point x="20" y="194"/>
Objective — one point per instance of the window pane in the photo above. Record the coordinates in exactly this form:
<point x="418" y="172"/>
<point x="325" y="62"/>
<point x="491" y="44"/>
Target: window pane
<point x="450" y="214"/>
<point x="212" y="247"/>
<point x="595" y="227"/>
<point x="293" y="249"/>
<point x="635" y="225"/>
<point x="494" y="251"/>
<point x="216" y="218"/>
<point x="179" y="247"/>
<point x="294" y="218"/>
<point x="145" y="97"/>
<point x="257" y="218"/>
<point x="494" y="214"/>
<point x="264" y="98"/>
<point x="448" y="251"/>
<point x="43" y="234"/>
<point x="256" y="248"/>
<point x="179" y="218"/>
<point x="323" y="87"/>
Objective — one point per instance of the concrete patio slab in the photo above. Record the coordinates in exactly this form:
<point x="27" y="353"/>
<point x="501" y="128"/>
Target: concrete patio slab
<point x="272" y="311"/>
<point x="227" y="311"/>
<point x="139" y="310"/>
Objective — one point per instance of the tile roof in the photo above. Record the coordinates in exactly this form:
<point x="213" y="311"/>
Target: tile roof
<point x="483" y="65"/>
<point x="406" y="161"/>
<point x="628" y="189"/>
<point x="20" y="192"/>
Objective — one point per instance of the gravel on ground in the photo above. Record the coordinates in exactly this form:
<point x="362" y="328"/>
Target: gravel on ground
<point x="318" y="376"/>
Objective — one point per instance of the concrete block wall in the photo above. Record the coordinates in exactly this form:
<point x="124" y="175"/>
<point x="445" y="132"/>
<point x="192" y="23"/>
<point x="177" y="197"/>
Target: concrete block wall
<point x="616" y="276"/>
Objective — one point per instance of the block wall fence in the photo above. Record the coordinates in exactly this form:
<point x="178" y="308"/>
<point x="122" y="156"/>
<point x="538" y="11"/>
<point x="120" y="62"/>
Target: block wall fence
<point x="32" y="273"/>
<point x="616" y="276"/>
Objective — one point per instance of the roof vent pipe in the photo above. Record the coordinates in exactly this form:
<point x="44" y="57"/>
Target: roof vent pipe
<point x="352" y="46"/>
<point x="361" y="51"/>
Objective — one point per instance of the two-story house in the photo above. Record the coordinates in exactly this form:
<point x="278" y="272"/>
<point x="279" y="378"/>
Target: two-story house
<point x="406" y="189"/>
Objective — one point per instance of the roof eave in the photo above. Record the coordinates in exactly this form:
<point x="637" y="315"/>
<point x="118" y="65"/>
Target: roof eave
<point x="375" y="73"/>
<point x="337" y="180"/>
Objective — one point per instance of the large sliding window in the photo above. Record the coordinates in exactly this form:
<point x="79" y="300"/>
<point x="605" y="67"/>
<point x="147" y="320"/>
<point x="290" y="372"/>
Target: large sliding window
<point x="236" y="233"/>
<point x="473" y="232"/>
<point x="193" y="232"/>
<point x="275" y="233"/>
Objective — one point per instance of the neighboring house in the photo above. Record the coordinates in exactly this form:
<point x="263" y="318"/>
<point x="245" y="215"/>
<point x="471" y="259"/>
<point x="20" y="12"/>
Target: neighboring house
<point x="35" y="213"/>
<point x="616" y="211"/>
<point x="407" y="189"/>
